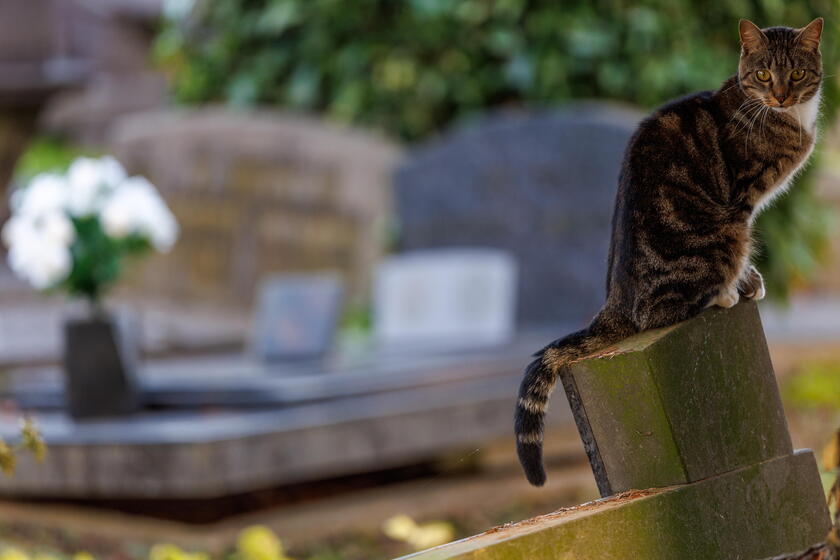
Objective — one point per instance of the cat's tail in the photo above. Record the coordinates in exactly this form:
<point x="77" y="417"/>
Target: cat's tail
<point x="537" y="385"/>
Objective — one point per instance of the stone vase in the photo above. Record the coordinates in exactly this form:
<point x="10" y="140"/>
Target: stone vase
<point x="99" y="368"/>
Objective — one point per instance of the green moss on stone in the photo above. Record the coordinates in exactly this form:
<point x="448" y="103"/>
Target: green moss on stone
<point x="755" y="512"/>
<point x="683" y="403"/>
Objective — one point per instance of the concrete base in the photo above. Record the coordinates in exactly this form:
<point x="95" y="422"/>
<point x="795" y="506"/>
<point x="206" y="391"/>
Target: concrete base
<point x="754" y="512"/>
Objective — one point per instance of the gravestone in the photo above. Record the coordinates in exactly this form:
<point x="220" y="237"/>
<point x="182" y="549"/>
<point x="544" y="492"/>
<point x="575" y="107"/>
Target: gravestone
<point x="445" y="298"/>
<point x="296" y="316"/>
<point x="118" y="36"/>
<point x="687" y="439"/>
<point x="679" y="404"/>
<point x="256" y="194"/>
<point x="37" y="59"/>
<point x="540" y="185"/>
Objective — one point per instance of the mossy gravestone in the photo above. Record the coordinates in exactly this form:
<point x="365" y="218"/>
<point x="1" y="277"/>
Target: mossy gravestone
<point x="687" y="422"/>
<point x="679" y="404"/>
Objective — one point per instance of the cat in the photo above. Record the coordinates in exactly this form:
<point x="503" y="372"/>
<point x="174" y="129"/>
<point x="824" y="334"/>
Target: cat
<point x="695" y="174"/>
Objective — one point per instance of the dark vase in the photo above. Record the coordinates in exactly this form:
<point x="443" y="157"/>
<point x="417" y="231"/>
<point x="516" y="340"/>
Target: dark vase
<point x="99" y="364"/>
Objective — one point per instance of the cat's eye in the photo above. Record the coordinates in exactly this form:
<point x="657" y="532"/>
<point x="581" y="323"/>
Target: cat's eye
<point x="797" y="74"/>
<point x="763" y="75"/>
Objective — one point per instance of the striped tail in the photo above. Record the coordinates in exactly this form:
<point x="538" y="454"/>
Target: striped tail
<point x="537" y="385"/>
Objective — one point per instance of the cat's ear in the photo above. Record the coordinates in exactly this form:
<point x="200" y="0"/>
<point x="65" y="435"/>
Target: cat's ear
<point x="809" y="36"/>
<point x="752" y="38"/>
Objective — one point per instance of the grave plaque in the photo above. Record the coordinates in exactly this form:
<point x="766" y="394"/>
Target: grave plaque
<point x="445" y="298"/>
<point x="296" y="316"/>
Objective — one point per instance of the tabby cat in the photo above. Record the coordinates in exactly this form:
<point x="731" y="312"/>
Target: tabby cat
<point x="695" y="175"/>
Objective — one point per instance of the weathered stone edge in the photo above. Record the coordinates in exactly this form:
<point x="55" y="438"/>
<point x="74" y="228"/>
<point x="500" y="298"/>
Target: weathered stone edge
<point x="599" y="470"/>
<point x="758" y="511"/>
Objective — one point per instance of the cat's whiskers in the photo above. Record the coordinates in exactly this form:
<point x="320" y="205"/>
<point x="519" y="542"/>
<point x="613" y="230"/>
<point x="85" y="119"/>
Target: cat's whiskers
<point x="746" y="105"/>
<point x="755" y="113"/>
<point x="764" y="121"/>
<point x="736" y="84"/>
<point x="743" y="114"/>
<point x="798" y="120"/>
<point x="755" y="121"/>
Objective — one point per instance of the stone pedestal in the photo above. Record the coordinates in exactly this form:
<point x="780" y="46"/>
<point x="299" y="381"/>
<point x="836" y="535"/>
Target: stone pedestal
<point x="680" y="404"/>
<point x="685" y="433"/>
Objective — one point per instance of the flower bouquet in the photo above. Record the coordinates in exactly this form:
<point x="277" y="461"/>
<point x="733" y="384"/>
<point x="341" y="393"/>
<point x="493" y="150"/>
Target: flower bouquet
<point x="73" y="233"/>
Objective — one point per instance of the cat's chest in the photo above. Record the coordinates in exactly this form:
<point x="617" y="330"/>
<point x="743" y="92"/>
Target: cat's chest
<point x="787" y="168"/>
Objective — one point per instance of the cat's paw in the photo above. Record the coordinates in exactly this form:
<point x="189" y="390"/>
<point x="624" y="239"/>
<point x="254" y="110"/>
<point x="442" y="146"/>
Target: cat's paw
<point x="726" y="298"/>
<point x="752" y="286"/>
<point x="759" y="293"/>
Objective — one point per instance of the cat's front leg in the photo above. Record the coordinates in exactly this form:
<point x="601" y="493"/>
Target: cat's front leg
<point x="751" y="284"/>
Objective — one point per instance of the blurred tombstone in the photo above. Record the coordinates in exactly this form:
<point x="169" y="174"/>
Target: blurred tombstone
<point x="256" y="194"/>
<point x="40" y="54"/>
<point x="539" y="185"/>
<point x="296" y="316"/>
<point x="117" y="38"/>
<point x="445" y="299"/>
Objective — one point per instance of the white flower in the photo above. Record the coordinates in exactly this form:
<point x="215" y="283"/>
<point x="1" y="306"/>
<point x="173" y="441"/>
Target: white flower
<point x="136" y="208"/>
<point x="113" y="173"/>
<point x="42" y="264"/>
<point x="39" y="248"/>
<point x="15" y="229"/>
<point x="46" y="193"/>
<point x="41" y="232"/>
<point x="55" y="227"/>
<point x="90" y="181"/>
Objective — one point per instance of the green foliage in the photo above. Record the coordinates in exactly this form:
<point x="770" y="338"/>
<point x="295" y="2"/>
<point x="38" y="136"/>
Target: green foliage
<point x="45" y="154"/>
<point x="412" y="68"/>
<point x="98" y="258"/>
<point x="816" y="385"/>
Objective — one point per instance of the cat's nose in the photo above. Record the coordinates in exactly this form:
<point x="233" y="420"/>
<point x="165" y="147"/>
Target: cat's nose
<point x="781" y="98"/>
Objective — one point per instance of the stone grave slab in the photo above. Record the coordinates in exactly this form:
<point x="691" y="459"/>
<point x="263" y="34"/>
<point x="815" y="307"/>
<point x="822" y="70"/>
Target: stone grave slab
<point x="31" y="327"/>
<point x="224" y="426"/>
<point x="237" y="380"/>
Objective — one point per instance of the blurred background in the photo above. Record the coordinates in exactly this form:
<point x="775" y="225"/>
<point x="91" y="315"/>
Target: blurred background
<point x="383" y="208"/>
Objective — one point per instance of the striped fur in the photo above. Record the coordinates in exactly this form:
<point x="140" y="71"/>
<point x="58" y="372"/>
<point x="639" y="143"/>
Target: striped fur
<point x="694" y="176"/>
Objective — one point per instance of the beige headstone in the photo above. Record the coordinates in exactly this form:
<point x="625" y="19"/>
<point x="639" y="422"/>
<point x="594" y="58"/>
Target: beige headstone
<point x="259" y="193"/>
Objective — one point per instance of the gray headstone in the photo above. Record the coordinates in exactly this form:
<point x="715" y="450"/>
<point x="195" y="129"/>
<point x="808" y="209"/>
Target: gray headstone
<point x="296" y="316"/>
<point x="539" y="185"/>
